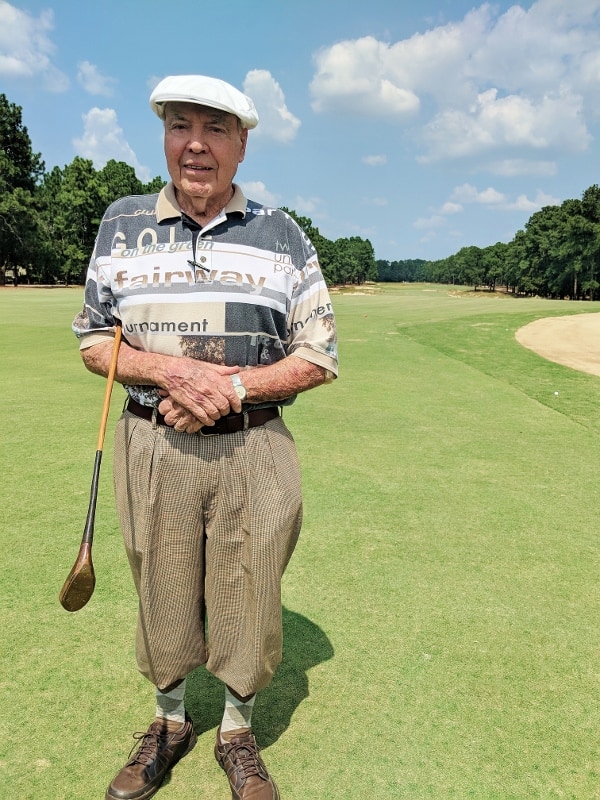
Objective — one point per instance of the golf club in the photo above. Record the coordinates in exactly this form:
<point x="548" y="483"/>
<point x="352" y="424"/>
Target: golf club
<point x="80" y="582"/>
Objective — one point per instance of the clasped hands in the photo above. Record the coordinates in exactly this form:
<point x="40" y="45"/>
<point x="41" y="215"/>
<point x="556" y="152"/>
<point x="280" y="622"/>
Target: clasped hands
<point x="197" y="394"/>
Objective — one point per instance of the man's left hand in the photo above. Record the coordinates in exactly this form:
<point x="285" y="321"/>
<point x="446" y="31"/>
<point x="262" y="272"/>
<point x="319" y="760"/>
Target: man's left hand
<point x="176" y="416"/>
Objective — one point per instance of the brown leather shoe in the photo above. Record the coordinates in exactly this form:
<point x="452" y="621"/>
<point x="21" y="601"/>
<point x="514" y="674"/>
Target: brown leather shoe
<point x="248" y="776"/>
<point x="158" y="751"/>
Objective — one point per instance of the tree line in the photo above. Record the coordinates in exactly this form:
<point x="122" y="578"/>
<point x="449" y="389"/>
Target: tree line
<point x="49" y="220"/>
<point x="556" y="255"/>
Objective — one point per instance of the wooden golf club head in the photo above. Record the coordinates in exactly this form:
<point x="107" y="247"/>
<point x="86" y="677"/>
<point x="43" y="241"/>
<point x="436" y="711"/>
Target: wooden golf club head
<point x="80" y="583"/>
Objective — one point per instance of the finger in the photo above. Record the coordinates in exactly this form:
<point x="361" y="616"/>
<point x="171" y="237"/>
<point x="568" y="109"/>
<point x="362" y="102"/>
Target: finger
<point x="194" y="427"/>
<point x="207" y="408"/>
<point x="166" y="407"/>
<point x="186" y="424"/>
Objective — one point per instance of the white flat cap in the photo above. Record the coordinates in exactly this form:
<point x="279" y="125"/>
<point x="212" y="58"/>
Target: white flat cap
<point x="205" y="91"/>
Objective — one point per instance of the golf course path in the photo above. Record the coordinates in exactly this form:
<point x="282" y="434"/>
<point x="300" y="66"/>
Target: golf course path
<point x="573" y="341"/>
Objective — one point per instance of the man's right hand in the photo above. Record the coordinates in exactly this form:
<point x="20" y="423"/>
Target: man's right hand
<point x="201" y="389"/>
<point x="198" y="394"/>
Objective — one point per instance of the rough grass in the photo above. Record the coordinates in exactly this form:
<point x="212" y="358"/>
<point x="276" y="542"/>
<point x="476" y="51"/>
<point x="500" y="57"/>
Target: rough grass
<point x="441" y="610"/>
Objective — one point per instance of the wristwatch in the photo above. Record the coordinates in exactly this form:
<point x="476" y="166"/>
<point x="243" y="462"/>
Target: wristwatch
<point x="239" y="387"/>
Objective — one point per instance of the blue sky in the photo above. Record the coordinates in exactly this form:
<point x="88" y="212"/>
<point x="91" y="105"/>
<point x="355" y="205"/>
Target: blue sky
<point x="424" y="126"/>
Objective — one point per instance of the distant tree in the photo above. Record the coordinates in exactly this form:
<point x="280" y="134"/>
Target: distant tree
<point x="76" y="210"/>
<point x="514" y="258"/>
<point x="118" y="179"/>
<point x="20" y="171"/>
<point x="325" y="248"/>
<point x="469" y="261"/>
<point x="407" y="271"/>
<point x="21" y="168"/>
<point x="590" y="205"/>
<point x="155" y="185"/>
<point x="493" y="264"/>
<point x="353" y="261"/>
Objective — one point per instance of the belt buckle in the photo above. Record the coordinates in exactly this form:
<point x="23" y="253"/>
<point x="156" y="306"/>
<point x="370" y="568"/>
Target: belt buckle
<point x="209" y="431"/>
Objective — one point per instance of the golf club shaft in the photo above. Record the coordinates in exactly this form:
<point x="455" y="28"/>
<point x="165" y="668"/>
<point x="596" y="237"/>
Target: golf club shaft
<point x="88" y="531"/>
<point x="110" y="379"/>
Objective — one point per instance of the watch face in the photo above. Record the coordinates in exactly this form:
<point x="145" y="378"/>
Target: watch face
<point x="241" y="391"/>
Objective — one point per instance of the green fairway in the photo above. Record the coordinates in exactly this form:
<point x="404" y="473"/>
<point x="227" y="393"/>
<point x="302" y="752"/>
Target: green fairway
<point x="442" y="608"/>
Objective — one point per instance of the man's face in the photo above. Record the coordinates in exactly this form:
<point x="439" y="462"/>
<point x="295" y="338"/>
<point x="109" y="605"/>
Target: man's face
<point x="203" y="147"/>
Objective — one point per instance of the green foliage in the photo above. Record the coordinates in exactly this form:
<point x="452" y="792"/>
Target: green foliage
<point x="118" y="180"/>
<point x="48" y="223"/>
<point x="557" y="255"/>
<point x="408" y="271"/>
<point x="20" y="170"/>
<point x="49" y="220"/>
<point x="19" y="166"/>
<point x="345" y="261"/>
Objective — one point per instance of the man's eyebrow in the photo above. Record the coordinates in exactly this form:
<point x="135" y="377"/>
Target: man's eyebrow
<point x="221" y="117"/>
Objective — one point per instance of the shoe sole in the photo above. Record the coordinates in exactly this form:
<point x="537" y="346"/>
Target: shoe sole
<point x="276" y="796"/>
<point x="154" y="789"/>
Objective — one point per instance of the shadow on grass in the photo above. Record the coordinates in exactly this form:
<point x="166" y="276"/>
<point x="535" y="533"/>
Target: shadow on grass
<point x="304" y="646"/>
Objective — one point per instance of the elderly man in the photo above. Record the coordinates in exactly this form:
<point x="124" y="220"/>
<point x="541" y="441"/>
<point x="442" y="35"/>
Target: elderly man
<point x="225" y="318"/>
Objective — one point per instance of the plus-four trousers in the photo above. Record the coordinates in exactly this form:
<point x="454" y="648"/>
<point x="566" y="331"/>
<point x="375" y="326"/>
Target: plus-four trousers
<point x="209" y="524"/>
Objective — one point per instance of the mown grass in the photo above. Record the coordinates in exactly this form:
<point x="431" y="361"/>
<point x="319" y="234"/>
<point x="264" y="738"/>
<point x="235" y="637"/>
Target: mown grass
<point x="441" y="610"/>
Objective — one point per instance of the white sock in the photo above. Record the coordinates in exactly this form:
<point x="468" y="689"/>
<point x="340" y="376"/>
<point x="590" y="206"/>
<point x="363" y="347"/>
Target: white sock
<point x="170" y="705"/>
<point x="236" y="714"/>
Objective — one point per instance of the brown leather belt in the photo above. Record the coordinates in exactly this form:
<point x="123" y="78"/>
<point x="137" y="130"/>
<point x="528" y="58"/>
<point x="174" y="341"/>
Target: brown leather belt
<point x="232" y="423"/>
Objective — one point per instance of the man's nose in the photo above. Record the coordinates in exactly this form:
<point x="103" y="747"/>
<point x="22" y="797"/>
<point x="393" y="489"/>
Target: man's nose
<point x="197" y="143"/>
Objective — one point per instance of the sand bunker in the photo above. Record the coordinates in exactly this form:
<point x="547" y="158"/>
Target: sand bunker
<point x="573" y="341"/>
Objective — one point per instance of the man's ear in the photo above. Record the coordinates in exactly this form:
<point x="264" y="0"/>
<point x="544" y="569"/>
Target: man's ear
<point x="244" y="138"/>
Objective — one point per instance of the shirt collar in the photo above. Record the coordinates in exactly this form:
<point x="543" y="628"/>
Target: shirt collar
<point x="167" y="206"/>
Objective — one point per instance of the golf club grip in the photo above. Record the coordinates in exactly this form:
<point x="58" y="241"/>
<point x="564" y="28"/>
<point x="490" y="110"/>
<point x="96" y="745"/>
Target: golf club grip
<point x="110" y="379"/>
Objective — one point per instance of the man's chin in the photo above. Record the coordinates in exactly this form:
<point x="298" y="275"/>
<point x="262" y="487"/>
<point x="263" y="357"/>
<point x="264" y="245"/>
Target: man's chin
<point x="199" y="190"/>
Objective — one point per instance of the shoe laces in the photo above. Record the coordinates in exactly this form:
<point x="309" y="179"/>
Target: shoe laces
<point x="147" y="750"/>
<point x="245" y="753"/>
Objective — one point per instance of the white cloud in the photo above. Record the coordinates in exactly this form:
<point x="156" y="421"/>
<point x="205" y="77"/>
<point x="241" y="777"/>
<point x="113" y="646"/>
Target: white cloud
<point x="256" y="190"/>
<point x="489" y="84"/>
<point x="451" y="208"/>
<point x="468" y="194"/>
<point x="306" y="205"/>
<point x="523" y="203"/>
<point x="276" y="121"/>
<point x="493" y="123"/>
<point x="93" y="81"/>
<point x="539" y="48"/>
<point x="103" y="139"/>
<point x="26" y="51"/>
<point x="425" y="223"/>
<point x="374" y="161"/>
<point x="352" y="77"/>
<point x="511" y="167"/>
<point x="153" y="82"/>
